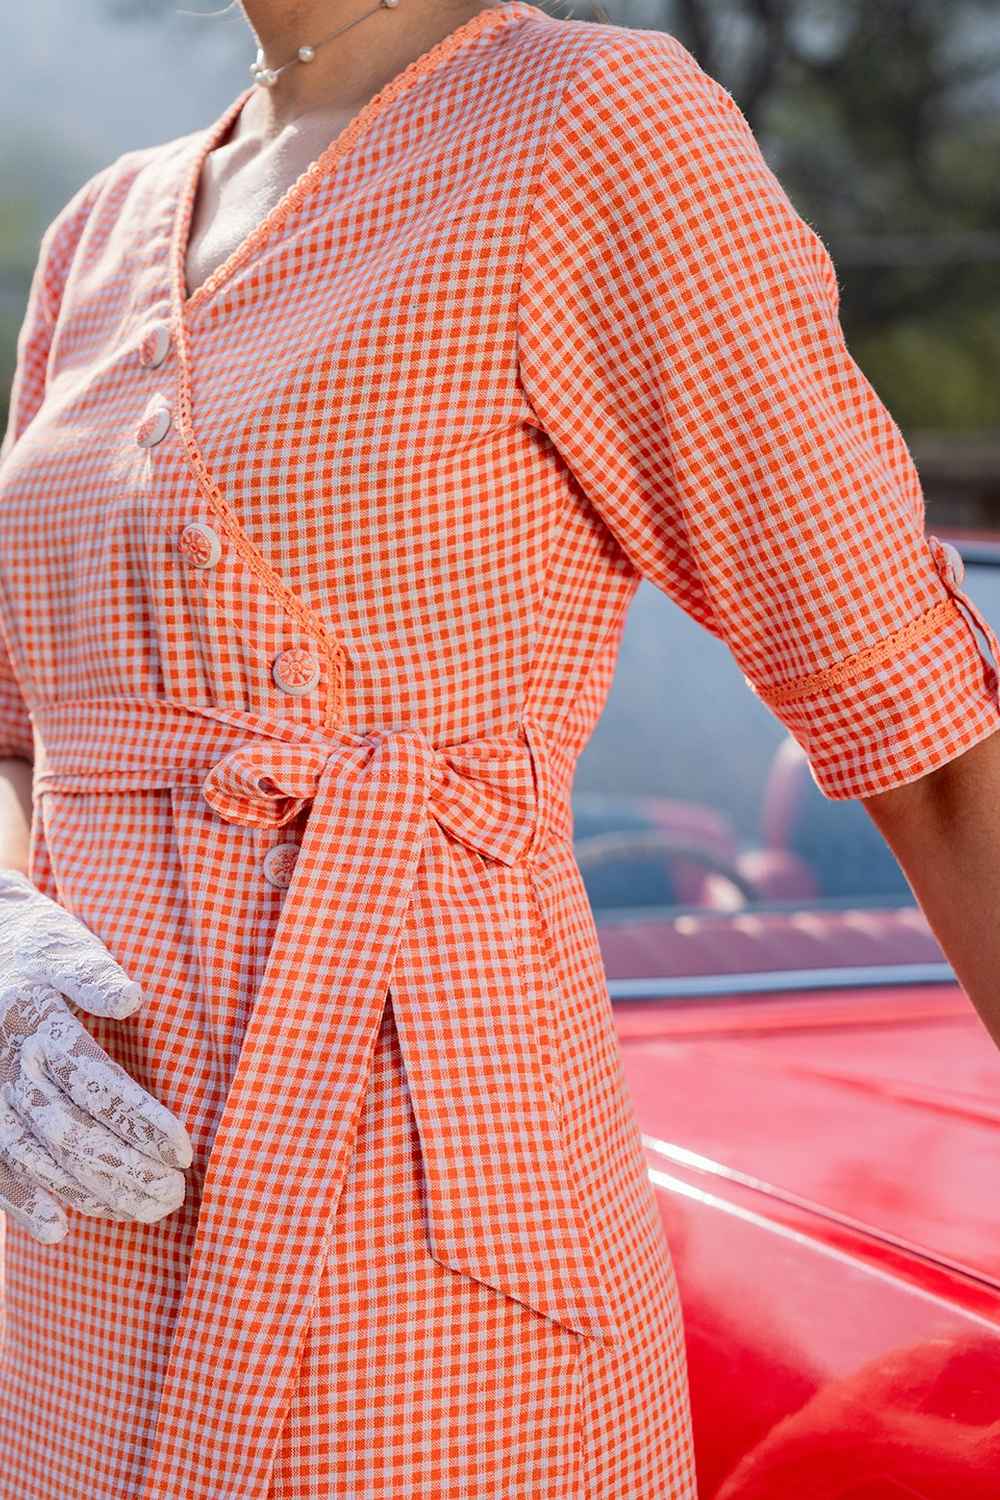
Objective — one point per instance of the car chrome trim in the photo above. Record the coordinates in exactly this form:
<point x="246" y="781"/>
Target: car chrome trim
<point x="848" y="976"/>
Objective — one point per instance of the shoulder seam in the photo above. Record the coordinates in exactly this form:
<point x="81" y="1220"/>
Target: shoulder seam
<point x="585" y="56"/>
<point x="603" y="46"/>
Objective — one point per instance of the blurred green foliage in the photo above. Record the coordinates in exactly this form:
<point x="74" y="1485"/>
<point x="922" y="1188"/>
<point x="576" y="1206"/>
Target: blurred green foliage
<point x="882" y="120"/>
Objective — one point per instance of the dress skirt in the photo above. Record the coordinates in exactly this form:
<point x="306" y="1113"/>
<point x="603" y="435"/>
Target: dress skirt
<point x="433" y="1386"/>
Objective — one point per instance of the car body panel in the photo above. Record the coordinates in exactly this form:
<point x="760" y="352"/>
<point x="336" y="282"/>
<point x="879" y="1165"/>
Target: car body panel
<point x="824" y="1164"/>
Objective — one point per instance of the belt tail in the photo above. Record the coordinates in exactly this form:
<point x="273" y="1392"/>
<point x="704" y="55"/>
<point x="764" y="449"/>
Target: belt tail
<point x="284" y="1142"/>
<point x="501" y="1204"/>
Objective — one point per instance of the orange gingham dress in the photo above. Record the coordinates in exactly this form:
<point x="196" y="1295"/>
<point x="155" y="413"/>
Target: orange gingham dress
<point x="311" y="588"/>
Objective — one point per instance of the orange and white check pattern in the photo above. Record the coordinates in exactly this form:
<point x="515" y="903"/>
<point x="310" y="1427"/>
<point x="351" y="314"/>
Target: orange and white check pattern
<point x="681" y="347"/>
<point x="311" y="585"/>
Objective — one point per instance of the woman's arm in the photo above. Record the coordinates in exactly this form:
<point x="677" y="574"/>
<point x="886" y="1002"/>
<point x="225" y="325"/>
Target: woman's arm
<point x="944" y="829"/>
<point x="15" y="813"/>
<point x="57" y="249"/>
<point x="680" y="344"/>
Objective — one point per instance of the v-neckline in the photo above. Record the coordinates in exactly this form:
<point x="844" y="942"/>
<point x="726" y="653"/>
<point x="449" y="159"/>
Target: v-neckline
<point x="184" y="304"/>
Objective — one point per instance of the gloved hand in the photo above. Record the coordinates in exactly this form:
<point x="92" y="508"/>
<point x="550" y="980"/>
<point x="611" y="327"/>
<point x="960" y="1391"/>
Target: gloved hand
<point x="72" y="1122"/>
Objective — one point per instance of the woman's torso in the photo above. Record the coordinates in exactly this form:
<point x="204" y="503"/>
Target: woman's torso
<point x="348" y="396"/>
<point x="342" y="412"/>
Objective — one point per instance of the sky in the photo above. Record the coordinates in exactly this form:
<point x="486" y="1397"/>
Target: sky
<point x="80" y="87"/>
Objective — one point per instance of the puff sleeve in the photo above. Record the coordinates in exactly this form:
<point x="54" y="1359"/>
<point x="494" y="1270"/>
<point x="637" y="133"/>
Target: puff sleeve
<point x="56" y="249"/>
<point x="679" y="343"/>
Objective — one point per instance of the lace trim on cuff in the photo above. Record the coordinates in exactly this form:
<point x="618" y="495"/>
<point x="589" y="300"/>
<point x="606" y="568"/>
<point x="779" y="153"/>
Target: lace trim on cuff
<point x="863" y="662"/>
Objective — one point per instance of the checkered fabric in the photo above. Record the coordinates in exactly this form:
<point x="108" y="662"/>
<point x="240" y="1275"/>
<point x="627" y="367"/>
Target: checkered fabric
<point x="311" y="589"/>
<point x="681" y="348"/>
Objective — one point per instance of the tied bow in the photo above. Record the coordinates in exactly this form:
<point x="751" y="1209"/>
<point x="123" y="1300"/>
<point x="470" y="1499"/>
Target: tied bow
<point x="379" y="904"/>
<point x="483" y="793"/>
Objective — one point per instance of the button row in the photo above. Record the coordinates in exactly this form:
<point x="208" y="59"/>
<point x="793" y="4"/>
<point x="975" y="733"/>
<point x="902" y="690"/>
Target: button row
<point x="295" y="670"/>
<point x="153" y="348"/>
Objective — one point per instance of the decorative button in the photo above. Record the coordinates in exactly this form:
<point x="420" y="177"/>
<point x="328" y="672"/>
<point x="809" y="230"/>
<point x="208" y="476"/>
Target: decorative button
<point x="200" y="544"/>
<point x="153" y="345"/>
<point x="279" y="863"/>
<point x="949" y="561"/>
<point x="295" y="670"/>
<point x="154" y="426"/>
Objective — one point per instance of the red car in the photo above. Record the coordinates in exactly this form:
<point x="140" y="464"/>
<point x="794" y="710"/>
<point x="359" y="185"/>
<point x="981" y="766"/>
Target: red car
<point x="819" y="1101"/>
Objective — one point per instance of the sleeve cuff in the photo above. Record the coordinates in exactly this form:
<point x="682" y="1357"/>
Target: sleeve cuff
<point x="905" y="706"/>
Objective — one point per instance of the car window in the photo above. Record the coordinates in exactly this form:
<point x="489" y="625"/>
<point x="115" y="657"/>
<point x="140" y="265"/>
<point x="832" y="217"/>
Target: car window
<point x="695" y="813"/>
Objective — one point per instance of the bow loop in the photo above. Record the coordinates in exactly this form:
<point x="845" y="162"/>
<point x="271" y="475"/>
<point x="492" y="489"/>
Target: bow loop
<point x="484" y="794"/>
<point x="264" y="784"/>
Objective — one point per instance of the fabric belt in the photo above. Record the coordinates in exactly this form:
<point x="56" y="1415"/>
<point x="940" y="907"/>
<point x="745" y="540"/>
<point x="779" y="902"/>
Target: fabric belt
<point x="500" y="1200"/>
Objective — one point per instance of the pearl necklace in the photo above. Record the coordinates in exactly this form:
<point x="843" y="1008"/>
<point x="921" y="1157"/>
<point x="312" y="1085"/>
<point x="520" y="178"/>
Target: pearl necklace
<point x="266" y="77"/>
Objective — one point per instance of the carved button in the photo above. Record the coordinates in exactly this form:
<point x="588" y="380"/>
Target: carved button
<point x="295" y="670"/>
<point x="279" y="863"/>
<point x="153" y="345"/>
<point x="949" y="561"/>
<point x="199" y="544"/>
<point x="154" y="426"/>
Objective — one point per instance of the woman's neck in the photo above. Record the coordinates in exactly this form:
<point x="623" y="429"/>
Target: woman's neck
<point x="350" y="68"/>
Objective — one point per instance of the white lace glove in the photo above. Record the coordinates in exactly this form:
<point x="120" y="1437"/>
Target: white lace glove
<point x="72" y="1122"/>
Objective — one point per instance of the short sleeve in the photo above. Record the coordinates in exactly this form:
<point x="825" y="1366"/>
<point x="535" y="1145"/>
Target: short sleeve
<point x="34" y="341"/>
<point x="679" y="342"/>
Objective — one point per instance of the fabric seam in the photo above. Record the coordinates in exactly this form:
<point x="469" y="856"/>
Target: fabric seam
<point x="595" y="54"/>
<point x="861" y="662"/>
